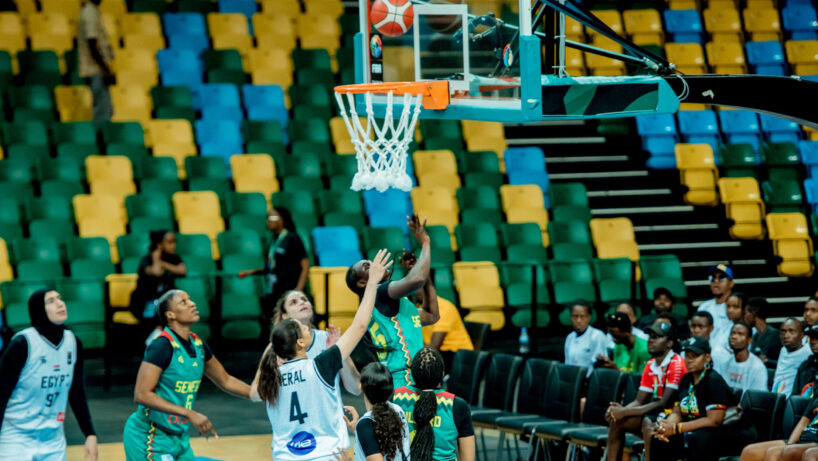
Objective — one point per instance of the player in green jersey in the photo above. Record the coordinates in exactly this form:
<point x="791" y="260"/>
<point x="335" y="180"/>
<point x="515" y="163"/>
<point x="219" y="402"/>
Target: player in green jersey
<point x="395" y="329"/>
<point x="167" y="384"/>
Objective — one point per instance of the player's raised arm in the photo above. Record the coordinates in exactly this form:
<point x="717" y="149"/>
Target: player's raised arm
<point x="417" y="276"/>
<point x="215" y="371"/>
<point x="356" y="331"/>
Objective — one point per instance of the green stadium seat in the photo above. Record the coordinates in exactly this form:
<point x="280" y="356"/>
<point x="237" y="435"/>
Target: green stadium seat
<point x="34" y="60"/>
<point x="347" y="201"/>
<point x="301" y="202"/>
<point x="6" y="72"/>
<point x="517" y="280"/>
<point x="342" y="165"/>
<point x="675" y="286"/>
<point x="205" y="167"/>
<point x="91" y="269"/>
<point x="25" y="114"/>
<point x="310" y="130"/>
<point x="235" y="77"/>
<point x="146" y="224"/>
<point x="85" y="301"/>
<point x="32" y="97"/>
<point x="391" y="238"/>
<point x="249" y="221"/>
<point x="150" y="6"/>
<point x="305" y="112"/>
<point x="61" y="170"/>
<point x="251" y="203"/>
<point x="11" y="211"/>
<point x="176" y="113"/>
<point x="275" y="149"/>
<point x="71" y="152"/>
<point x="132" y="246"/>
<point x="163" y="187"/>
<point x="91" y="248"/>
<point x="302" y="184"/>
<point x="58" y="229"/>
<point x="220" y="186"/>
<point x="17" y="171"/>
<point x="311" y="59"/>
<point x="75" y="132"/>
<point x="572" y="280"/>
<point x="478" y="215"/>
<point x="527" y="253"/>
<point x="481" y="197"/>
<point x="442" y="254"/>
<point x="520" y="234"/>
<point x="303" y="164"/>
<point x="479" y="162"/>
<point x="123" y="132"/>
<point x="41" y="249"/>
<point x="340" y="183"/>
<point x="40" y="271"/>
<point x="138" y="155"/>
<point x="263" y="130"/>
<point x="9" y="232"/>
<point x="64" y="189"/>
<point x="239" y="241"/>
<point x="335" y="219"/>
<point x="49" y="208"/>
<point x="783" y="196"/>
<point x="572" y="212"/>
<point x="322" y="77"/>
<point x="222" y="59"/>
<point x="572" y="251"/>
<point x="15" y="302"/>
<point x="483" y="178"/>
<point x="32" y="133"/>
<point x="309" y="95"/>
<point x="159" y="168"/>
<point x="172" y="96"/>
<point x="33" y="155"/>
<point x="476" y="235"/>
<point x="196" y="6"/>
<point x="571" y="231"/>
<point x="481" y="254"/>
<point x="320" y="148"/>
<point x="738" y="160"/>
<point x="148" y="204"/>
<point x="440" y="128"/>
<point x="573" y="193"/>
<point x="615" y="278"/>
<point x="779" y="154"/>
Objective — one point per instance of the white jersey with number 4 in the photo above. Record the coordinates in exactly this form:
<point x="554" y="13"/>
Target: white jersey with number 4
<point x="36" y="409"/>
<point x="307" y="418"/>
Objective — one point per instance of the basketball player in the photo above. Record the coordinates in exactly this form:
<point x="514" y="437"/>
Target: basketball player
<point x="42" y="371"/>
<point x="167" y="383"/>
<point x="395" y="328"/>
<point x="440" y="422"/>
<point x="383" y="430"/>
<point x="305" y="411"/>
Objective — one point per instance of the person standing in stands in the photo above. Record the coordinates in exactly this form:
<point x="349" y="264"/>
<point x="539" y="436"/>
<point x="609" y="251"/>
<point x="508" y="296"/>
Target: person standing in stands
<point x="157" y="272"/>
<point x="395" y="328"/>
<point x="42" y="372"/>
<point x="630" y="353"/>
<point x="585" y="344"/>
<point x="767" y="340"/>
<point x="698" y="427"/>
<point x="287" y="265"/>
<point x="94" y="58"/>
<point x="792" y="355"/>
<point x="657" y="391"/>
<point x="721" y="286"/>
<point x="663" y="303"/>
<point x="742" y="369"/>
<point x="804" y="384"/>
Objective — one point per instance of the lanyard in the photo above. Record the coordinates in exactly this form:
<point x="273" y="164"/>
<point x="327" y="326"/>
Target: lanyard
<point x="271" y="253"/>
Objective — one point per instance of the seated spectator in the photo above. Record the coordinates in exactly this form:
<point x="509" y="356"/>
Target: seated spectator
<point x="801" y="444"/>
<point x="657" y="390"/>
<point x="663" y="303"/>
<point x="701" y="325"/>
<point x="766" y="341"/>
<point x="811" y="312"/>
<point x="630" y="353"/>
<point x="720" y="339"/>
<point x="699" y="414"/>
<point x="792" y="355"/>
<point x="805" y="376"/>
<point x="628" y="310"/>
<point x="742" y="369"/>
<point x="157" y="272"/>
<point x="585" y="343"/>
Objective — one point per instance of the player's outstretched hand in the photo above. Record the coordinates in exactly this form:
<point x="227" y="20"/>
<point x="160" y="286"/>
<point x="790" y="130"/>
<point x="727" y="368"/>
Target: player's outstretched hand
<point x="418" y="229"/>
<point x="203" y="425"/>
<point x="351" y="417"/>
<point x="91" y="451"/>
<point x="333" y="335"/>
<point x="380" y="263"/>
<point x="407" y="260"/>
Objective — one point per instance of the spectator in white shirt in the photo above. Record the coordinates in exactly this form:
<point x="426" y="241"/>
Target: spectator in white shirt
<point x="721" y="285"/>
<point x="736" y="306"/>
<point x="586" y="342"/>
<point x="742" y="369"/>
<point x="701" y="325"/>
<point x="792" y="355"/>
<point x="628" y="310"/>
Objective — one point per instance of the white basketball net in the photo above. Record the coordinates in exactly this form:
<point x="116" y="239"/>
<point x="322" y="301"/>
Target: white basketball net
<point x="382" y="157"/>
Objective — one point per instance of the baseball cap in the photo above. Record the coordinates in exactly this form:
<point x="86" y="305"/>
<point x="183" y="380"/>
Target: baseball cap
<point x="721" y="268"/>
<point x="661" y="329"/>
<point x="618" y="320"/>
<point x="811" y="331"/>
<point x="696" y="344"/>
<point x="663" y="291"/>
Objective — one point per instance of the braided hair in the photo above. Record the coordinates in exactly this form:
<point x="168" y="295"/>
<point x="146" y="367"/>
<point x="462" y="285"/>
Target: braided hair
<point x="376" y="383"/>
<point x="427" y="374"/>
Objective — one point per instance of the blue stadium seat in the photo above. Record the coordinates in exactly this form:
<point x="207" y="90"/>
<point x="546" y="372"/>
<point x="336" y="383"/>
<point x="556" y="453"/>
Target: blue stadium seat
<point x="800" y="21"/>
<point x="179" y="59"/>
<point x="740" y="126"/>
<point x="183" y="24"/>
<point x="684" y="26"/>
<point x="524" y="159"/>
<point x="197" y="43"/>
<point x="778" y="129"/>
<point x="699" y="127"/>
<point x="336" y="246"/>
<point x="659" y="137"/>
<point x="219" y="138"/>
<point x="265" y="102"/>
<point x="232" y="113"/>
<point x="245" y="7"/>
<point x="766" y="58"/>
<point x="392" y="200"/>
<point x="539" y="178"/>
<point x="387" y="218"/>
<point x="216" y="94"/>
<point x="811" y="191"/>
<point x="809" y="152"/>
<point x="181" y="77"/>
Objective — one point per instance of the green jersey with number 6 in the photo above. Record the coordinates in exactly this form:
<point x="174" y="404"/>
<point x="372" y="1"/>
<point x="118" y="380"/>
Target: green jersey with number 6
<point x="397" y="340"/>
<point x="178" y="383"/>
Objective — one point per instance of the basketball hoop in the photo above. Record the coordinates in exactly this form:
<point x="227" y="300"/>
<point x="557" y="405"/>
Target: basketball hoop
<point x="381" y="149"/>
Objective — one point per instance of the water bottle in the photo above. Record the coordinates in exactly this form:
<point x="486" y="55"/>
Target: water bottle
<point x="524" y="345"/>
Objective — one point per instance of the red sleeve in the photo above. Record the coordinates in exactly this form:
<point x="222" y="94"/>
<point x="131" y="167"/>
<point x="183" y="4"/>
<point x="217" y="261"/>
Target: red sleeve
<point x="646" y="384"/>
<point x="675" y="370"/>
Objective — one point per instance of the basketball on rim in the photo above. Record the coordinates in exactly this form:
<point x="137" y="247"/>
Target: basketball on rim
<point x="392" y="17"/>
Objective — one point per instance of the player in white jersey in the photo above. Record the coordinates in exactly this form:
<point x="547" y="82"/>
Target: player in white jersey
<point x="41" y="373"/>
<point x="383" y="430"/>
<point x="305" y="411"/>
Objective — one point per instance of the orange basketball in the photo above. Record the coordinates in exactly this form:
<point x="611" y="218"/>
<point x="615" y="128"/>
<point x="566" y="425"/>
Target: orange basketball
<point x="392" y="17"/>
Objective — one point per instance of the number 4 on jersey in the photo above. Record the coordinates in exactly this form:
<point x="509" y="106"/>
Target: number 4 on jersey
<point x="295" y="410"/>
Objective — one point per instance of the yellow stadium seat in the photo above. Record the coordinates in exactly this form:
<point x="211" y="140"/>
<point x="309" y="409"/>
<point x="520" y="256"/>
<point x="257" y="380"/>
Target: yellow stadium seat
<point x="722" y="4"/>
<point x="340" y="321"/>
<point x="333" y="8"/>
<point x="172" y="138"/>
<point x="286" y="8"/>
<point x="791" y="241"/>
<point x="131" y="103"/>
<point x="113" y="187"/>
<point x="116" y="8"/>
<point x="434" y="161"/>
<point x="743" y="204"/>
<point x="478" y="284"/>
<point x="317" y="24"/>
<point x="12" y="36"/>
<point x="341" y="300"/>
<point x="74" y="103"/>
<point x="68" y="8"/>
<point x="4" y="251"/>
<point x="688" y="57"/>
<point x="140" y="24"/>
<point x="274" y="31"/>
<point x="265" y="186"/>
<point x="492" y="143"/>
<point x="762" y="24"/>
<point x="98" y="207"/>
<point x="476" y="129"/>
<point x="495" y="319"/>
<point x="281" y="77"/>
<point x="340" y="135"/>
<point x="242" y="43"/>
<point x="574" y="30"/>
<point x="111" y="25"/>
<point x="803" y="55"/>
<point x="26" y="7"/>
<point x="683" y="5"/>
<point x="698" y="172"/>
<point x="601" y="65"/>
<point x="618" y="249"/>
<point x="6" y="274"/>
<point x="521" y="196"/>
<point x="399" y="63"/>
<point x="644" y="26"/>
<point x="575" y="62"/>
<point x="611" y="18"/>
<point x="612" y="230"/>
<point x="267" y="58"/>
<point x="108" y="228"/>
<point x="724" y="24"/>
<point x="50" y="24"/>
<point x="139" y="60"/>
<point x="207" y="225"/>
<point x="150" y="43"/>
<point x="535" y="215"/>
<point x="196" y="204"/>
<point x="252" y="166"/>
<point x="230" y="31"/>
<point x="726" y="57"/>
<point x="108" y="167"/>
<point x="434" y="198"/>
<point x="440" y="179"/>
<point x="120" y="288"/>
<point x="56" y="43"/>
<point x="761" y="4"/>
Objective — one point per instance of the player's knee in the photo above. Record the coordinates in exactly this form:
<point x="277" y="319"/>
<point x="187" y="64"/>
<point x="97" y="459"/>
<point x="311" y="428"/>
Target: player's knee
<point x="791" y="453"/>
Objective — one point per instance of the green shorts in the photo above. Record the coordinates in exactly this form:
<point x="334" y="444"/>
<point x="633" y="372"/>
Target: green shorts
<point x="144" y="440"/>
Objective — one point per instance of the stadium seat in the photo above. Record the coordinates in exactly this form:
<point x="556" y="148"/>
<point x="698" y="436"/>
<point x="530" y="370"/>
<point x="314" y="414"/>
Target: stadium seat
<point x="684" y="26"/>
<point x="131" y="103"/>
<point x="699" y="126"/>
<point x="799" y="21"/>
<point x="801" y="55"/>
<point x="762" y="24"/>
<point x="644" y="26"/>
<point x="74" y="103"/>
<point x="437" y="205"/>
<point x="659" y="135"/>
<point x="740" y="126"/>
<point x="723" y="24"/>
<point x="254" y="173"/>
<point x="330" y="292"/>
<point x="726" y="57"/>
<point x="779" y="130"/>
<point x="743" y="204"/>
<point x="766" y="58"/>
<point x="698" y="173"/>
<point x="792" y="243"/>
<point x="572" y="279"/>
<point x="478" y="285"/>
<point x="689" y="57"/>
<point x="183" y="24"/>
<point x="336" y="246"/>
